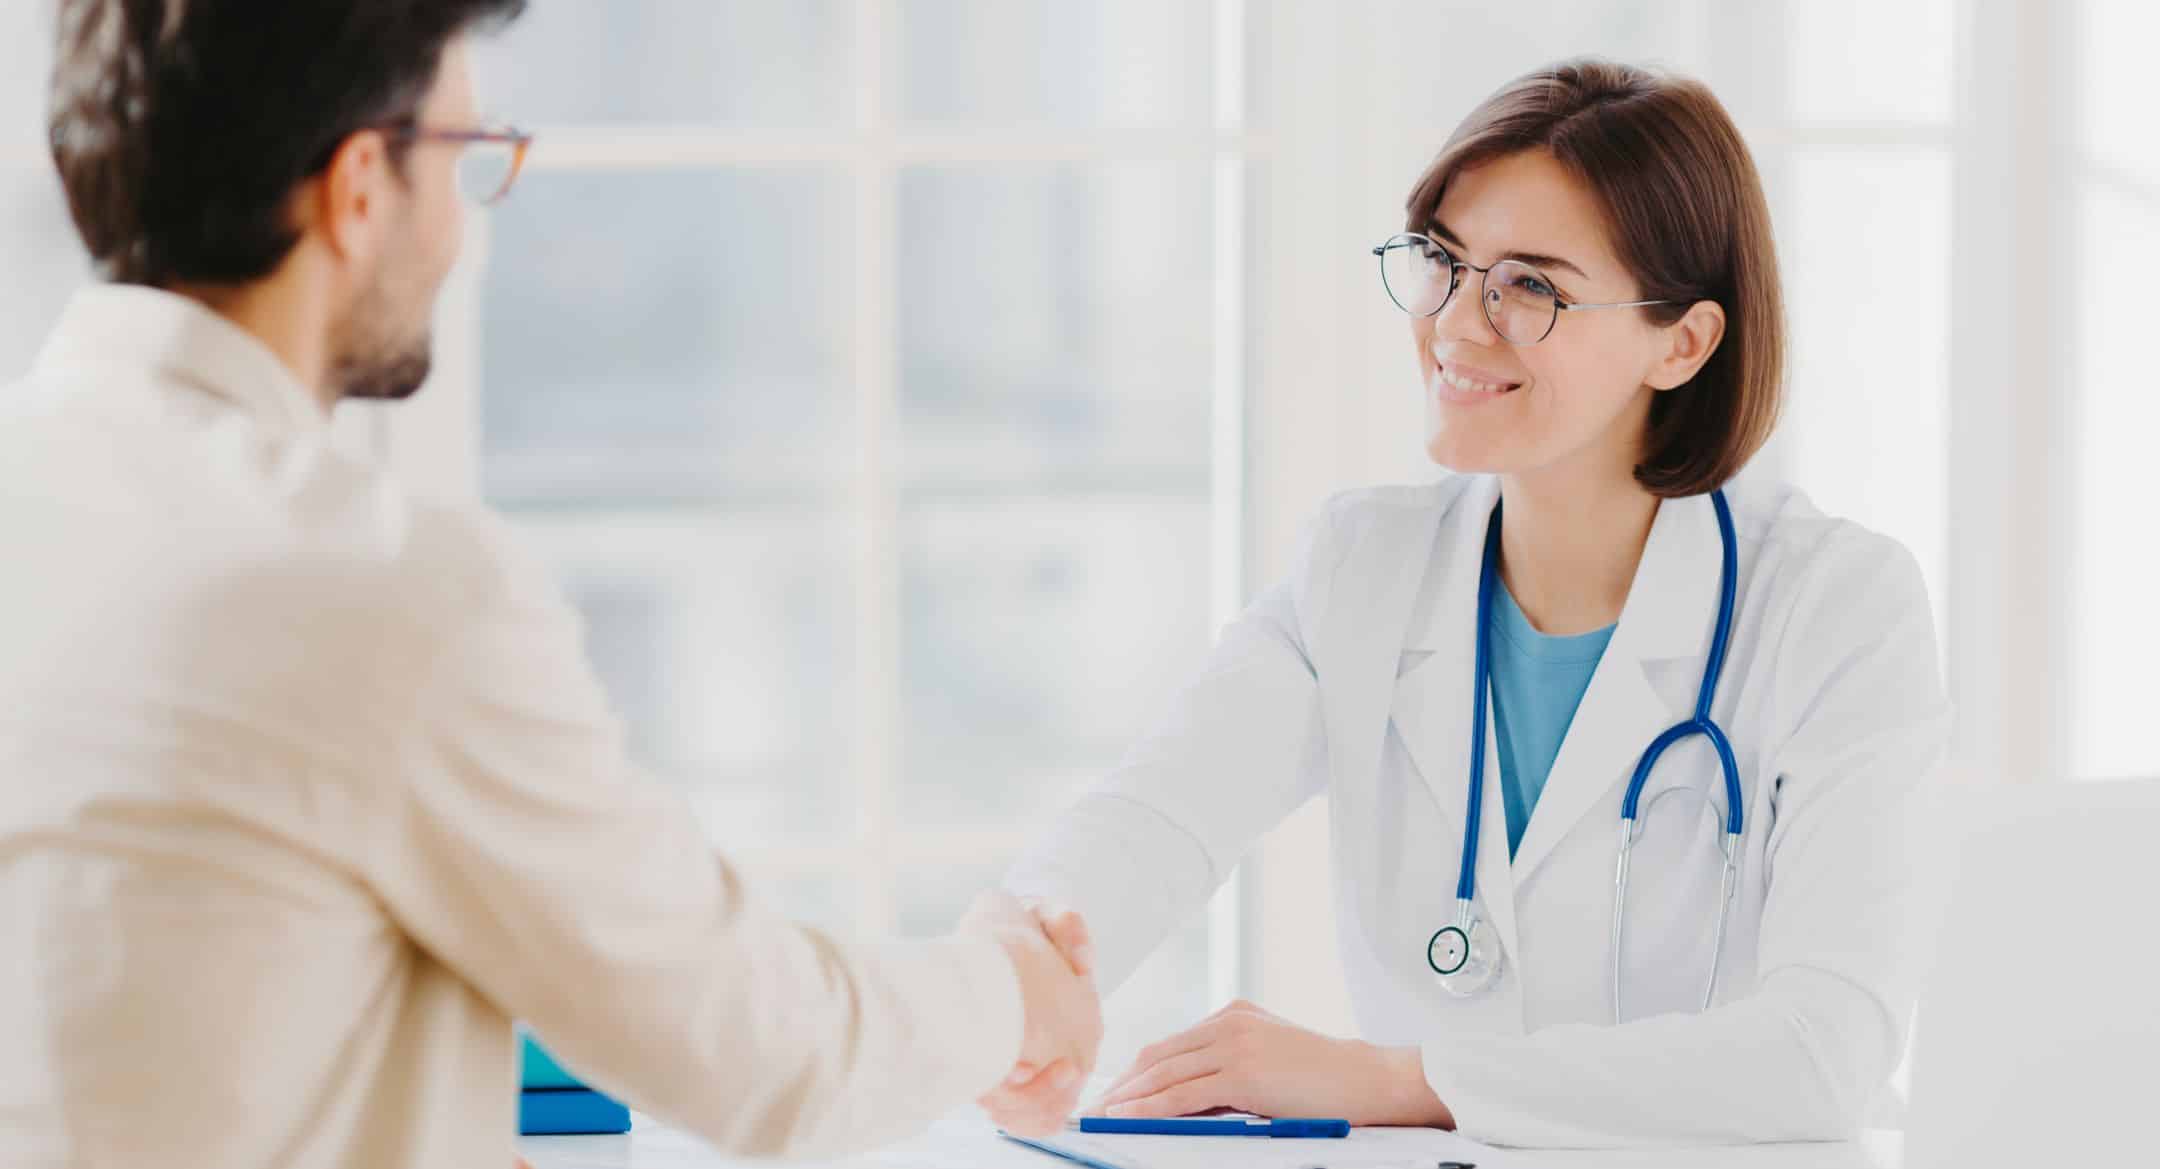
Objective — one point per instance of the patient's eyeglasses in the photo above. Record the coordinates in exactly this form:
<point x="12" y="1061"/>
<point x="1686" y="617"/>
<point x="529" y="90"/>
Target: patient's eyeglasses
<point x="489" y="161"/>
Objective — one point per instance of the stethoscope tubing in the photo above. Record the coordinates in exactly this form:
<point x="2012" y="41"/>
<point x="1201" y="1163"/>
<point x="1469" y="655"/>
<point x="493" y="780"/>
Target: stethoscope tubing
<point x="1702" y="724"/>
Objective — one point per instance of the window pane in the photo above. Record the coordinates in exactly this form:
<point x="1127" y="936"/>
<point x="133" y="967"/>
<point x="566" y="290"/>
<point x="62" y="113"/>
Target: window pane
<point x="722" y="640"/>
<point x="45" y="260"/>
<point x="1054" y="318"/>
<point x="675" y="62"/>
<point x="1433" y="62"/>
<point x="1041" y="635"/>
<point x="1165" y="995"/>
<point x="2116" y="626"/>
<point x="662" y="334"/>
<point x="2113" y="77"/>
<point x="825" y="900"/>
<point x="931" y="891"/>
<point x="1867" y="265"/>
<point x="1030" y="62"/>
<point x="1870" y="61"/>
<point x="26" y="38"/>
<point x="46" y="264"/>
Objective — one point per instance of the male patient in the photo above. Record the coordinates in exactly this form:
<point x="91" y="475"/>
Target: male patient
<point x="306" y="789"/>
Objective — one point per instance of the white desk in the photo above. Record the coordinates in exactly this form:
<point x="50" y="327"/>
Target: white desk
<point x="965" y="1142"/>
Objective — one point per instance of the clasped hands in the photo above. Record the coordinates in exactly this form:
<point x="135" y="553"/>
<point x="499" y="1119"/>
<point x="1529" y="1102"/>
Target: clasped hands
<point x="1054" y="958"/>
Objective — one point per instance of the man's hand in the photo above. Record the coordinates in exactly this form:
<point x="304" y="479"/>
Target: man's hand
<point x="1051" y="953"/>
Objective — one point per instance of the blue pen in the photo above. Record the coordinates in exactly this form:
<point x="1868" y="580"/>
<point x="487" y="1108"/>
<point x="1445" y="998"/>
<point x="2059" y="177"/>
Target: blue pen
<point x="1208" y="1126"/>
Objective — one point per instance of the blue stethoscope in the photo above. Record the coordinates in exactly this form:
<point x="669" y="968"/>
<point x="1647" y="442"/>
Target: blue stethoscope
<point x="1460" y="953"/>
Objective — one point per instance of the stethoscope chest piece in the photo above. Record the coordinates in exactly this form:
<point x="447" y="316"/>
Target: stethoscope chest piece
<point x="1462" y="955"/>
<point x="1449" y="951"/>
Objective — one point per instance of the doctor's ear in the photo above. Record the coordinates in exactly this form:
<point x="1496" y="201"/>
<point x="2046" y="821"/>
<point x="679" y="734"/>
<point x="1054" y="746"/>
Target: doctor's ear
<point x="1689" y="342"/>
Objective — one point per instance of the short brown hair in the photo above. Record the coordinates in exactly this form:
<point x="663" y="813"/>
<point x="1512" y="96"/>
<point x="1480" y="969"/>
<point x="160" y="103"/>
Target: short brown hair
<point x="181" y="127"/>
<point x="1685" y="210"/>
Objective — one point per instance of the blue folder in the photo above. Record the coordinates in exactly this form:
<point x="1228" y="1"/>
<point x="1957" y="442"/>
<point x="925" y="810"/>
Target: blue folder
<point x="551" y="1101"/>
<point x="561" y="1111"/>
<point x="539" y="1069"/>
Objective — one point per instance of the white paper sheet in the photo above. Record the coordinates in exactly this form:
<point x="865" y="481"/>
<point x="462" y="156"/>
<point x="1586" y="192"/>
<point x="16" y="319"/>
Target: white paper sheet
<point x="1364" y="1148"/>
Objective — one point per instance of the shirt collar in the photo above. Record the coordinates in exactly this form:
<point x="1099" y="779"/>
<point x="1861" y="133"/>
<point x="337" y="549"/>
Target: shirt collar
<point x="174" y="338"/>
<point x="1511" y="625"/>
<point x="1671" y="605"/>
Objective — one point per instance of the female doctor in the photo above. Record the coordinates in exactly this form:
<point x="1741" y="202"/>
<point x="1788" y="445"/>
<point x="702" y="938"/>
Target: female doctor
<point x="1618" y="752"/>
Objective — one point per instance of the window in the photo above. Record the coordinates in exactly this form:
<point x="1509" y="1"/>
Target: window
<point x="45" y="263"/>
<point x="1859" y="168"/>
<point x="2112" y="395"/>
<point x="864" y="370"/>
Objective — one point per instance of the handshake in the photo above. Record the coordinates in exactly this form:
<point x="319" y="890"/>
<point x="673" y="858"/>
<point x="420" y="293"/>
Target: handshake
<point x="1051" y="953"/>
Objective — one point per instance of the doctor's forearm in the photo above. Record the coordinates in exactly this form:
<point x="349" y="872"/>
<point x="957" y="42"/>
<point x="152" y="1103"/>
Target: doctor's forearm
<point x="1797" y="1062"/>
<point x="1412" y="1102"/>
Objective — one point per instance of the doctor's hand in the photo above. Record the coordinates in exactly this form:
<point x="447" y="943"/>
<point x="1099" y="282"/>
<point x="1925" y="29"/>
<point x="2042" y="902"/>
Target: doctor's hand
<point x="1247" y="1060"/>
<point x="1050" y="951"/>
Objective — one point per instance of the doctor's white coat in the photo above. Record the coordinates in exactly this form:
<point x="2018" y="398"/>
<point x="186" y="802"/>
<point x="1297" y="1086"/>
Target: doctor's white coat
<point x="1352" y="678"/>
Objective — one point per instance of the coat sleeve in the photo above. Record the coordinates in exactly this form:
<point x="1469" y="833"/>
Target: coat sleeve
<point x="1864" y="722"/>
<point x="522" y="851"/>
<point x="1238" y="750"/>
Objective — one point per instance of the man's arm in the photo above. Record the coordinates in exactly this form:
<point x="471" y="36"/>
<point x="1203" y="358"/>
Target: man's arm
<point x="522" y="851"/>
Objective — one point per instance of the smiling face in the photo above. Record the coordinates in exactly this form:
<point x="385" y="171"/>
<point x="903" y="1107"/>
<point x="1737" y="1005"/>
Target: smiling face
<point x="1580" y="397"/>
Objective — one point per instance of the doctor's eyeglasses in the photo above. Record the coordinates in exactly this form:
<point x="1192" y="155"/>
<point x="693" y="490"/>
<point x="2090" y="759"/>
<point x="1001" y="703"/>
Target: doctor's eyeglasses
<point x="1519" y="302"/>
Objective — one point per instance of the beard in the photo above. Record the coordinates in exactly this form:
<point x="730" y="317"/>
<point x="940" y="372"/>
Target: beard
<point x="377" y="356"/>
<point x="385" y="376"/>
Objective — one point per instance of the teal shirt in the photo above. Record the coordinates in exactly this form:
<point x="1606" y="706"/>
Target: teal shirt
<point x="1537" y="682"/>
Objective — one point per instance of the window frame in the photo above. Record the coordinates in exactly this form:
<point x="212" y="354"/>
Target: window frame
<point x="435" y="438"/>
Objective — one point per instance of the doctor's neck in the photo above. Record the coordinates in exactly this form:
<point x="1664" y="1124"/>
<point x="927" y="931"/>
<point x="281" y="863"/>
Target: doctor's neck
<point x="1570" y="541"/>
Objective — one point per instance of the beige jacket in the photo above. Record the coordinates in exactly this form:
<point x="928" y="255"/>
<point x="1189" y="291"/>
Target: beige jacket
<point x="306" y="790"/>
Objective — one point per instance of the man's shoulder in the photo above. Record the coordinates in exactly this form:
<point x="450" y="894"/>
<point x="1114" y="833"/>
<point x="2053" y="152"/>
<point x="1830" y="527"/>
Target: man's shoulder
<point x="393" y="584"/>
<point x="344" y="539"/>
<point x="450" y="560"/>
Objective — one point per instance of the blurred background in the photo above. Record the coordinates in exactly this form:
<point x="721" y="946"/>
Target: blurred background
<point x="906" y="389"/>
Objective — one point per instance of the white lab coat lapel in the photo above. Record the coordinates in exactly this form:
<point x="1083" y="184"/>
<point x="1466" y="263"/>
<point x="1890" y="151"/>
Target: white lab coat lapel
<point x="1671" y="611"/>
<point x="1433" y="700"/>
<point x="1355" y="659"/>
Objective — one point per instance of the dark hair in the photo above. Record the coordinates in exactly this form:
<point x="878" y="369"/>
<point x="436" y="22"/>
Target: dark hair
<point x="181" y="127"/>
<point x="1685" y="210"/>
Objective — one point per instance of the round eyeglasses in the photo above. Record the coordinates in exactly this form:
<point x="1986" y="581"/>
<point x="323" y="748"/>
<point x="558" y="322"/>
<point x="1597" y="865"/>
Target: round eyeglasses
<point x="1519" y="302"/>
